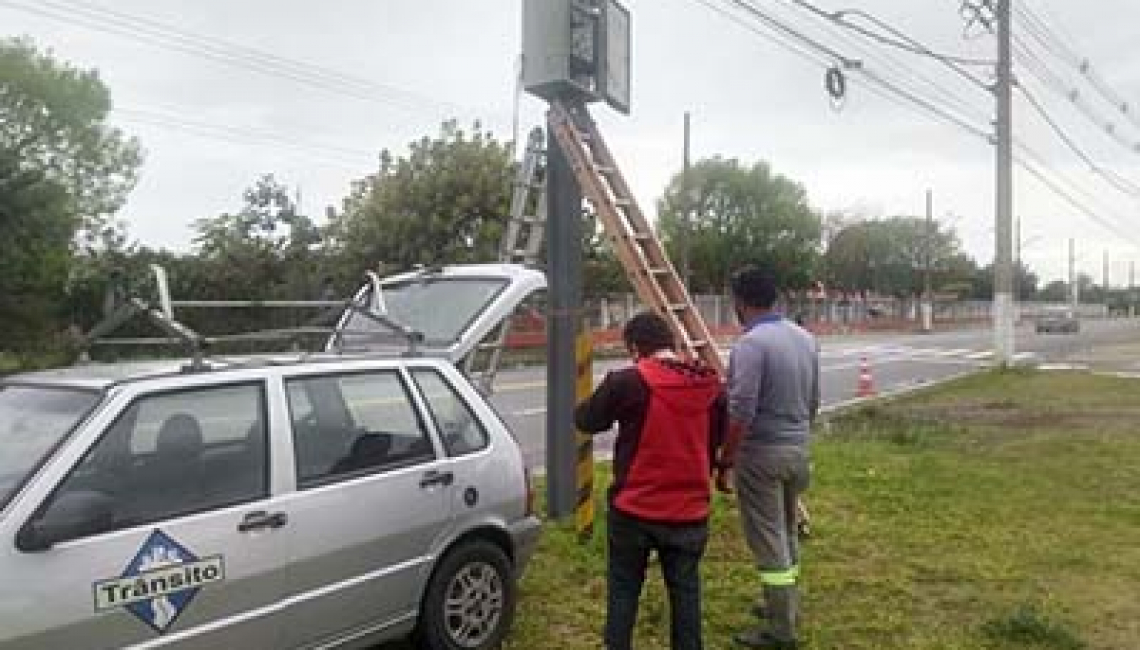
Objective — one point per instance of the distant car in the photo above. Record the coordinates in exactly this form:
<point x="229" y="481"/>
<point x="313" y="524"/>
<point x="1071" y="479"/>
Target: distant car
<point x="1058" y="320"/>
<point x="313" y="501"/>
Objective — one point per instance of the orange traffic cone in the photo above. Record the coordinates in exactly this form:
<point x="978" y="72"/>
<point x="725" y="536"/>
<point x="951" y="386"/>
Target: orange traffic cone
<point x="866" y="382"/>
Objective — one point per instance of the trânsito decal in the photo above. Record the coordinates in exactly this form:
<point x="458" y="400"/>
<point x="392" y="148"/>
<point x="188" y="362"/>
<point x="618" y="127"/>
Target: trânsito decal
<point x="158" y="585"/>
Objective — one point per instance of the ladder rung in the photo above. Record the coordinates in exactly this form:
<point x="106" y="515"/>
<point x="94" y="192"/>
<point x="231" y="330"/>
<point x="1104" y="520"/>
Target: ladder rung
<point x="699" y="344"/>
<point x="678" y="306"/>
<point x="659" y="271"/>
<point x="623" y="203"/>
<point x="642" y="236"/>
<point x="605" y="170"/>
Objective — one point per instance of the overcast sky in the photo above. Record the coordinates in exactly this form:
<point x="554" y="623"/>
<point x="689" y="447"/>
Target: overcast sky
<point x="426" y="60"/>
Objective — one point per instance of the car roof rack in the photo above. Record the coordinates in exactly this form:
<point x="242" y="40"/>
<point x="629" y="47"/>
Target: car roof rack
<point x="196" y="344"/>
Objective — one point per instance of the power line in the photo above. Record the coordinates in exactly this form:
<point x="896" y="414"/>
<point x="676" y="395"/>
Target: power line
<point x="903" y="70"/>
<point x="787" y="44"/>
<point x="168" y="37"/>
<point x="845" y="61"/>
<point x="1039" y="29"/>
<point x="1059" y="86"/>
<point x="1078" y="205"/>
<point x="900" y="39"/>
<point x="939" y="112"/>
<point x="353" y="158"/>
<point x="1114" y="180"/>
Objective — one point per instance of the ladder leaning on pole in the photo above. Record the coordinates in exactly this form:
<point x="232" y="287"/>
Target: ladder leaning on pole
<point x="521" y="244"/>
<point x="640" y="251"/>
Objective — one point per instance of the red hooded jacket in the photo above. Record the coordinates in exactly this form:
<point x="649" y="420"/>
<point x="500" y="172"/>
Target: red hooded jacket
<point x="671" y="417"/>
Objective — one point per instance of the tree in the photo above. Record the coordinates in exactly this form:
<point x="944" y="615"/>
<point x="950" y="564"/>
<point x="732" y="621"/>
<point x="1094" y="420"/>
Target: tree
<point x="265" y="250"/>
<point x="1055" y="291"/>
<point x="446" y="202"/>
<point x="891" y="256"/>
<point x="53" y="122"/>
<point x="739" y="216"/>
<point x="36" y="230"/>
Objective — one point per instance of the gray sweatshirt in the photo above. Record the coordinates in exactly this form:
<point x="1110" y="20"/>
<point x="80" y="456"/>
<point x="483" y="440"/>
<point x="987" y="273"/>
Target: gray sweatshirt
<point x="773" y="382"/>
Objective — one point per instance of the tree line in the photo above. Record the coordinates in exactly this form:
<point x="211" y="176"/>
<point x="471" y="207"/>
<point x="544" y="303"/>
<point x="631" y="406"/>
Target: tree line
<point x="65" y="172"/>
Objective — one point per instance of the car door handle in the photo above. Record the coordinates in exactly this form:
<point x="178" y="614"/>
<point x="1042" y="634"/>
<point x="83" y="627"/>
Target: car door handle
<point x="437" y="478"/>
<point x="261" y="519"/>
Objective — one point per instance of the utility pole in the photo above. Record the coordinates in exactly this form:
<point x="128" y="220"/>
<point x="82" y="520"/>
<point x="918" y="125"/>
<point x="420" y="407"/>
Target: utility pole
<point x="1105" y="274"/>
<point x="927" y="294"/>
<point x="686" y="207"/>
<point x="1132" y="288"/>
<point x="1017" y="259"/>
<point x="1003" y="249"/>
<point x="1073" y="298"/>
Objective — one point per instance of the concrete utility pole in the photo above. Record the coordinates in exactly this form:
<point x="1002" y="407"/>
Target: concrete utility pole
<point x="1132" y="288"/>
<point x="1106" y="275"/>
<point x="1003" y="249"/>
<point x="686" y="207"/>
<point x="1073" y="298"/>
<point x="927" y="293"/>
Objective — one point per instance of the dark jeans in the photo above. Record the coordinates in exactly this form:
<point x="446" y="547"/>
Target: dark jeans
<point x="679" y="548"/>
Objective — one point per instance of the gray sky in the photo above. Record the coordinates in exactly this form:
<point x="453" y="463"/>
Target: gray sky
<point x="427" y="60"/>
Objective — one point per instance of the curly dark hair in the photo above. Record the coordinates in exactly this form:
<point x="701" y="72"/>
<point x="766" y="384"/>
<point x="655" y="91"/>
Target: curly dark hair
<point x="648" y="333"/>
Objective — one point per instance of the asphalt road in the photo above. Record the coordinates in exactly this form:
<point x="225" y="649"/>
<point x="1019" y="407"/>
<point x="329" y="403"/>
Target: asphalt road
<point x="897" y="361"/>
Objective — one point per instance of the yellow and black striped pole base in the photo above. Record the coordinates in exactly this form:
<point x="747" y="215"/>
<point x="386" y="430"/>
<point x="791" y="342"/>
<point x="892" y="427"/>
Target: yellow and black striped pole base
<point x="584" y="510"/>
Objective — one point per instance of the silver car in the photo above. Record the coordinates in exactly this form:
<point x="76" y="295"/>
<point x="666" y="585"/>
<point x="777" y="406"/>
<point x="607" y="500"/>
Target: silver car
<point x="1057" y="320"/>
<point x="312" y="502"/>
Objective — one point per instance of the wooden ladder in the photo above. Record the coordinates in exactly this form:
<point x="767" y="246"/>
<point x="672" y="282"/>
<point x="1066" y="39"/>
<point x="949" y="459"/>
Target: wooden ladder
<point x="636" y="245"/>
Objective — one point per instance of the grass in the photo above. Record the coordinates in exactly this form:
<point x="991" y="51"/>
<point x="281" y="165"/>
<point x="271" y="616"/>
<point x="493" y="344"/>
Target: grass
<point x="1001" y="511"/>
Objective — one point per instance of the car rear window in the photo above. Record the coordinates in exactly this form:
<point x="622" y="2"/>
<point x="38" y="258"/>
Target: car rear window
<point x="33" y="422"/>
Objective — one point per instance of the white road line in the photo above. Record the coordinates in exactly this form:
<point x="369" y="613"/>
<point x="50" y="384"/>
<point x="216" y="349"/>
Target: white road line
<point x="985" y="354"/>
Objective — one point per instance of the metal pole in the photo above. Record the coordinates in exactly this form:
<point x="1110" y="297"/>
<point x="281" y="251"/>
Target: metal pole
<point x="686" y="208"/>
<point x="1003" y="272"/>
<point x="927" y="294"/>
<point x="564" y="275"/>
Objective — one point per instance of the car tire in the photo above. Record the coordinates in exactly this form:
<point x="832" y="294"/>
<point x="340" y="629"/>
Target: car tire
<point x="470" y="601"/>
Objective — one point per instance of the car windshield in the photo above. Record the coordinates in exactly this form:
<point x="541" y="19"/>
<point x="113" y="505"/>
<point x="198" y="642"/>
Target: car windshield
<point x="440" y="308"/>
<point x="33" y="420"/>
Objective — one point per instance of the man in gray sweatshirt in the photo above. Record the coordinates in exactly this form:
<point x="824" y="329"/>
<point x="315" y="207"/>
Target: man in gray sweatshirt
<point x="773" y="393"/>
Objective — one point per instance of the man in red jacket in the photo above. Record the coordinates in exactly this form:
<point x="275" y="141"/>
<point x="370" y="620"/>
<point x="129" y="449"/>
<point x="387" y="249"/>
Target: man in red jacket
<point x="671" y="416"/>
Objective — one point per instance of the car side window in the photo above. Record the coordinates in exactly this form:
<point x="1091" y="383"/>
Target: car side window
<point x="349" y="425"/>
<point x="461" y="430"/>
<point x="176" y="453"/>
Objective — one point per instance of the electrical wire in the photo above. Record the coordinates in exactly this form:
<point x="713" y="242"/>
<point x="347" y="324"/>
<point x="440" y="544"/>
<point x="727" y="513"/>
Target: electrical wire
<point x="1040" y="30"/>
<point x="920" y="84"/>
<point x="900" y="41"/>
<point x="164" y="36"/>
<point x="1116" y="181"/>
<point x="1059" y="86"/>
<point x="342" y="156"/>
<point x="943" y="115"/>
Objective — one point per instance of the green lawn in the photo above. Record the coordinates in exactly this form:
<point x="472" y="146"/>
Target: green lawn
<point x="999" y="511"/>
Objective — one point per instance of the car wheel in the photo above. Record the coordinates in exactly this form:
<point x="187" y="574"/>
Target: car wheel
<point x="470" y="601"/>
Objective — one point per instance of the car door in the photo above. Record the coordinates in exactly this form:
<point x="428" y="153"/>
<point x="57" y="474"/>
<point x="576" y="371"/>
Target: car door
<point x="184" y="553"/>
<point x="371" y="504"/>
